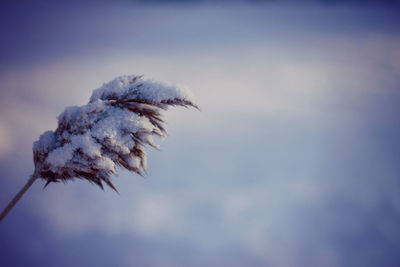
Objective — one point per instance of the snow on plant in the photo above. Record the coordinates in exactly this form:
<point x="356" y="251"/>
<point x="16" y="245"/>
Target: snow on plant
<point x="112" y="130"/>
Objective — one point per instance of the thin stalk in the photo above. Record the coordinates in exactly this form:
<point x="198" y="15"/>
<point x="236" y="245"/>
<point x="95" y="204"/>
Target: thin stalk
<point x="18" y="196"/>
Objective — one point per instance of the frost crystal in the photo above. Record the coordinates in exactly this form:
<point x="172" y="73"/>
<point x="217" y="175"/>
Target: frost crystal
<point x="112" y="129"/>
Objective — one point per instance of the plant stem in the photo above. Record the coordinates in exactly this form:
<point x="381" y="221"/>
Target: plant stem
<point x="18" y="196"/>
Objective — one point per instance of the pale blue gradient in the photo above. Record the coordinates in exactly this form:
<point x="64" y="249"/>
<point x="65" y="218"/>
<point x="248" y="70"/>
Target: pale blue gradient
<point x="293" y="160"/>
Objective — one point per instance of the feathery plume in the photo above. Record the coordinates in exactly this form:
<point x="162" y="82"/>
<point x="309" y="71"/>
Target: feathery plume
<point x="112" y="130"/>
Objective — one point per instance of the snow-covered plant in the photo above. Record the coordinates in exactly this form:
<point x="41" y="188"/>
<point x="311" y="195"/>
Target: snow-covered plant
<point x="112" y="130"/>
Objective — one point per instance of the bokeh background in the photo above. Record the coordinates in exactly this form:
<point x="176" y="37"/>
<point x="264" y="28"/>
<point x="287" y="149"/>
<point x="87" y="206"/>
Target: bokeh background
<point x="293" y="160"/>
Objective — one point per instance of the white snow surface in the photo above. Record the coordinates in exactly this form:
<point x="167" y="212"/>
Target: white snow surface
<point x="46" y="142"/>
<point x="145" y="90"/>
<point x="77" y="143"/>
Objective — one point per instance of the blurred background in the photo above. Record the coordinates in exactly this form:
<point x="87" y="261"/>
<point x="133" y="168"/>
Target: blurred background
<point x="293" y="160"/>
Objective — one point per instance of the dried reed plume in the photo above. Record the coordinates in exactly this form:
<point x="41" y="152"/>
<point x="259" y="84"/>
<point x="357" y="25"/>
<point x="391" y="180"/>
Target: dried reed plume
<point x="111" y="130"/>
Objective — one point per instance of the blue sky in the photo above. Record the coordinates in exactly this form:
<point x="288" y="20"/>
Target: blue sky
<point x="293" y="160"/>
